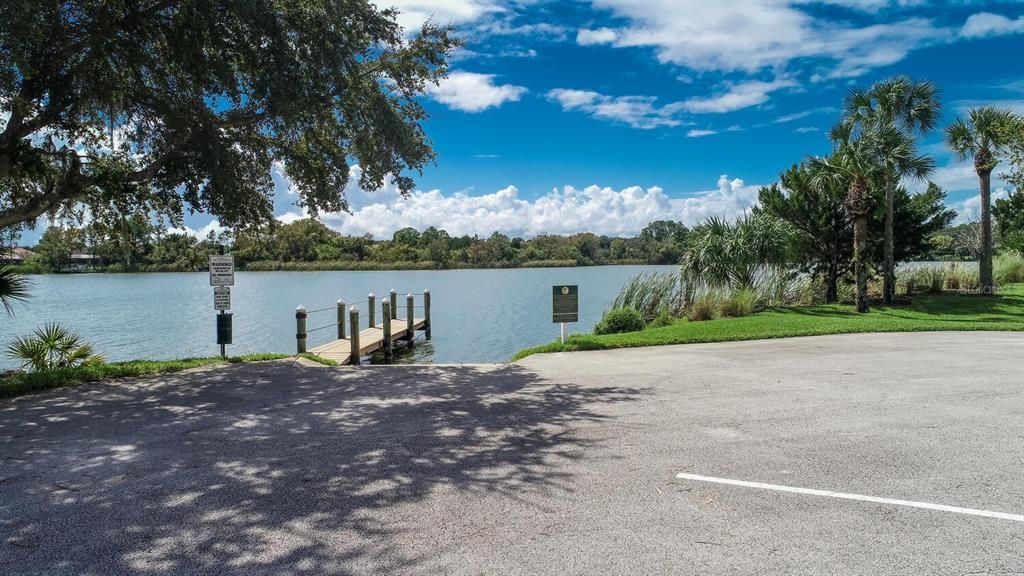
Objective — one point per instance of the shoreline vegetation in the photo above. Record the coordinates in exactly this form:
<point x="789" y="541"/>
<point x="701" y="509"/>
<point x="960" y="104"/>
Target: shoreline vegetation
<point x="945" y="311"/>
<point x="22" y="383"/>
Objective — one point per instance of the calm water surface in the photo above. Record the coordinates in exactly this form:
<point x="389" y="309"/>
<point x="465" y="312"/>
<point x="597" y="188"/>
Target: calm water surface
<point x="478" y="315"/>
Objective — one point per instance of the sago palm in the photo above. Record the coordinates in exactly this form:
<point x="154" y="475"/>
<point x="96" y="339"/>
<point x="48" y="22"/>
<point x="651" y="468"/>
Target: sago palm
<point x="897" y="104"/>
<point x="983" y="137"/>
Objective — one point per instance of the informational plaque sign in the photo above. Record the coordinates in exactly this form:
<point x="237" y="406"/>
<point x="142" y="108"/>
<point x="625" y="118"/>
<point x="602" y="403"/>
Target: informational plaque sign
<point x="565" y="304"/>
<point x="222" y="270"/>
<point x="221" y="298"/>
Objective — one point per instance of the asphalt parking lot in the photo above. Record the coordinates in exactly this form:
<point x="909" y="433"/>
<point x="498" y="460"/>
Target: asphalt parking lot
<point x="857" y="454"/>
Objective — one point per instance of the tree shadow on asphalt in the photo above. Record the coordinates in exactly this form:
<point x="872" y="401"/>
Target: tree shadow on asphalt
<point x="275" y="467"/>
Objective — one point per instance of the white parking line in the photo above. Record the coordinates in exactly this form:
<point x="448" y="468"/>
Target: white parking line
<point x="862" y="498"/>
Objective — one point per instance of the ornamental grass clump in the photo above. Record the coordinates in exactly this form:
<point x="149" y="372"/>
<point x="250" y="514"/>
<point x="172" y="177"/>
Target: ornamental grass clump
<point x="651" y="294"/>
<point x="739" y="303"/>
<point x="1008" y="267"/>
<point x="704" y="308"/>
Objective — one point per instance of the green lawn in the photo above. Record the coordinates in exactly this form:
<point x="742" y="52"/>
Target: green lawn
<point x="927" y="313"/>
<point x="27" y="383"/>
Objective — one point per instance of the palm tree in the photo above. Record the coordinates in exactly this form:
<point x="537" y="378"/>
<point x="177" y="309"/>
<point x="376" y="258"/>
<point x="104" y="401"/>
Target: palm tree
<point x="910" y="107"/>
<point x="983" y="137"/>
<point x="852" y="164"/>
<point x="13" y="288"/>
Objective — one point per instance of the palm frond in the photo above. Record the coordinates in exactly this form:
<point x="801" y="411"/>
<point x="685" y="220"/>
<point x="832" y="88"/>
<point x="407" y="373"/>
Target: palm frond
<point x="13" y="288"/>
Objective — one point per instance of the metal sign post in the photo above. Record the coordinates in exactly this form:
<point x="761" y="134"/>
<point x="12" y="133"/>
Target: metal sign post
<point x="222" y="275"/>
<point x="565" y="307"/>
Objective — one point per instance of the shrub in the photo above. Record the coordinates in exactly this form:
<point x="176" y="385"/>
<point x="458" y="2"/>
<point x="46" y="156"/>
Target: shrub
<point x="664" y="318"/>
<point x="703" y="308"/>
<point x="739" y="303"/>
<point x="620" y="320"/>
<point x="52" y="347"/>
<point x="1008" y="267"/>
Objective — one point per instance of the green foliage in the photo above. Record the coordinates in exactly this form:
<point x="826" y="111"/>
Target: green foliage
<point x="13" y="288"/>
<point x="318" y="359"/>
<point x="619" y="320"/>
<point x="705" y="307"/>
<point x="651" y="294"/>
<point x="721" y="254"/>
<point x="309" y="245"/>
<point x="21" y="383"/>
<point x="956" y="276"/>
<point x="1008" y="267"/>
<point x="939" y="312"/>
<point x="52" y="347"/>
<point x="171" y="106"/>
<point x="822" y="239"/>
<point x="664" y="318"/>
<point x="1009" y="216"/>
<point x="741" y="302"/>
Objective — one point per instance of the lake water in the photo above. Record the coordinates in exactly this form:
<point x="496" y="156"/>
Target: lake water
<point x="477" y="315"/>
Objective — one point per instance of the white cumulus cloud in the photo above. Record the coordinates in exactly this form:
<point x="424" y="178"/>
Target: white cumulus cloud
<point x="755" y="35"/>
<point x="988" y="24"/>
<point x="413" y="13"/>
<point x="564" y="210"/>
<point x="473" y="92"/>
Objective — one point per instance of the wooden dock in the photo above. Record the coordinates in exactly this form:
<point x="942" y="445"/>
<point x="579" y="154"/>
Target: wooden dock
<point x="370" y="340"/>
<point x="376" y="337"/>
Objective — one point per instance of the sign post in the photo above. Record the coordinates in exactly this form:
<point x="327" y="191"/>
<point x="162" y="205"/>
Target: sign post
<point x="222" y="276"/>
<point x="565" y="307"/>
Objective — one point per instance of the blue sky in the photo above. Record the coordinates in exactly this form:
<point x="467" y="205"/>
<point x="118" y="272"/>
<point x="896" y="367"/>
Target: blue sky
<point x="604" y="115"/>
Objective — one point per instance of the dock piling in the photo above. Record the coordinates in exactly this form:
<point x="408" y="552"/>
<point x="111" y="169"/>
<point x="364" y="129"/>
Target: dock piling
<point x="300" y="329"/>
<point x="372" y="303"/>
<point x="394" y="304"/>
<point x="353" y="316"/>
<point x="341" y="319"/>
<point x="410" y="322"/>
<point x="386" y="325"/>
<point x="426" y="313"/>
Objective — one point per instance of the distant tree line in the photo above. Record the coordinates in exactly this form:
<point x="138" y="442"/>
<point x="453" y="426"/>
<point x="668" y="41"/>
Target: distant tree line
<point x="137" y="244"/>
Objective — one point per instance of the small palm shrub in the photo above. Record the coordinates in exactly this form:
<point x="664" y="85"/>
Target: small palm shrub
<point x="13" y="288"/>
<point x="52" y="347"/>
<point x="618" y="321"/>
<point x="1008" y="267"/>
<point x="704" y="308"/>
<point x="739" y="303"/>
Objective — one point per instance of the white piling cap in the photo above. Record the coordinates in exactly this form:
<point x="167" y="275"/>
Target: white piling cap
<point x="372" y="295"/>
<point x="340" y="301"/>
<point x="300" y="308"/>
<point x="353" y="309"/>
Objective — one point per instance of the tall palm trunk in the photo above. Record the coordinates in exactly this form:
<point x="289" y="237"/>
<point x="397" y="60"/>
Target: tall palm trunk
<point x="860" y="248"/>
<point x="889" y="267"/>
<point x="859" y="212"/>
<point x="832" y="284"/>
<point x="985" y="283"/>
